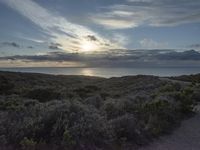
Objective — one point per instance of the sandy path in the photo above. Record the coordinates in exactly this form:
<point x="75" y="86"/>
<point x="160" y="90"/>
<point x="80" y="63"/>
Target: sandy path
<point x="187" y="137"/>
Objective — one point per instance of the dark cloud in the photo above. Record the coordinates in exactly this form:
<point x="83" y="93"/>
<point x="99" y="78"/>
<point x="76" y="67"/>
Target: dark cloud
<point x="117" y="58"/>
<point x="194" y="46"/>
<point x="95" y="39"/>
<point x="55" y="46"/>
<point x="92" y="38"/>
<point x="187" y="55"/>
<point x="30" y="47"/>
<point x="12" y="44"/>
<point x="51" y="56"/>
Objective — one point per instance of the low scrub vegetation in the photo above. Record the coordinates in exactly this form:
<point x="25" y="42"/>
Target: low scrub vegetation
<point x="88" y="113"/>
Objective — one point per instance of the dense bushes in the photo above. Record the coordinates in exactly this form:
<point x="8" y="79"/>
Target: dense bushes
<point x="126" y="129"/>
<point x="92" y="114"/>
<point x="56" y="122"/>
<point x="188" y="78"/>
<point x="6" y="86"/>
<point x="159" y="117"/>
<point x="43" y="94"/>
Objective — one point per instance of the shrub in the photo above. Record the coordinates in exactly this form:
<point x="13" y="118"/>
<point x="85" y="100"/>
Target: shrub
<point x="28" y="144"/>
<point x="126" y="129"/>
<point x="67" y="138"/>
<point x="159" y="117"/>
<point x="86" y="91"/>
<point x="43" y="94"/>
<point x="112" y="109"/>
<point x="6" y="86"/>
<point x="86" y="125"/>
<point x="11" y="103"/>
<point x="170" y="87"/>
<point x="186" y="101"/>
<point x="95" y="101"/>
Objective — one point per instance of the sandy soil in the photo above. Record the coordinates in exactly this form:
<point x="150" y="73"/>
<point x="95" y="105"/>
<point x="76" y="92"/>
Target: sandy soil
<point x="187" y="137"/>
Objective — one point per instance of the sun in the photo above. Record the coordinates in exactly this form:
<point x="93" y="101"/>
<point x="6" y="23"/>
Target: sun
<point x="88" y="46"/>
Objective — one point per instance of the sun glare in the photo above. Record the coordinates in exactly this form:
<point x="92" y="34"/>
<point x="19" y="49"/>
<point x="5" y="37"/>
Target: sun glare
<point x="88" y="46"/>
<point x="87" y="72"/>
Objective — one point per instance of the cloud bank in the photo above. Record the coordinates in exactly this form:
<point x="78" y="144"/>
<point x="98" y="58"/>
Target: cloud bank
<point x="133" y="13"/>
<point x="113" y="58"/>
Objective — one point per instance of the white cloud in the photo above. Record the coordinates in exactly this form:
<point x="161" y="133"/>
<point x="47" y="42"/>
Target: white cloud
<point x="60" y="30"/>
<point x="151" y="44"/>
<point x="139" y="0"/>
<point x="114" y="23"/>
<point x="133" y="13"/>
<point x="32" y="39"/>
<point x="120" y="38"/>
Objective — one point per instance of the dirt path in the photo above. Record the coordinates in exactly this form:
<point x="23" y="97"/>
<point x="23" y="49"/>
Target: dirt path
<point x="187" y="137"/>
<point x="175" y="81"/>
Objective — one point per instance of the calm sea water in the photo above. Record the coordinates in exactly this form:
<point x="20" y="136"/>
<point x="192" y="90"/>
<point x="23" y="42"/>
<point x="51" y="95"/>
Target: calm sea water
<point x="109" y="72"/>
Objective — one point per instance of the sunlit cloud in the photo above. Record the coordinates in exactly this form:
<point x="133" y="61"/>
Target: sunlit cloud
<point x="70" y="36"/>
<point x="31" y="39"/>
<point x="121" y="38"/>
<point x="134" y="13"/>
<point x="28" y="63"/>
<point x="113" y="23"/>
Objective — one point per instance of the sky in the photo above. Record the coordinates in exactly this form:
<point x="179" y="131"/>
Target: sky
<point x="81" y="33"/>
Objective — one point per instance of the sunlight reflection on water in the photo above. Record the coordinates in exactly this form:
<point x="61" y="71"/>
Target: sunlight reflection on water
<point x="87" y="72"/>
<point x="109" y="72"/>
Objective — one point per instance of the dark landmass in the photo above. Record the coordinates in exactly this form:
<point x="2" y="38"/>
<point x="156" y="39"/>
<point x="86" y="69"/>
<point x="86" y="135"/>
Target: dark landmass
<point x="39" y="111"/>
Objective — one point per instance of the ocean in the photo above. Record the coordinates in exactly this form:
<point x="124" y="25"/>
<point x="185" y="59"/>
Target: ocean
<point x="110" y="72"/>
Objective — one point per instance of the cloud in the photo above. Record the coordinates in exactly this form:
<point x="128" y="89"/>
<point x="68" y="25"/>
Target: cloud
<point x="197" y="46"/>
<point x="32" y="39"/>
<point x="92" y="38"/>
<point x="139" y="1"/>
<point x="55" y="46"/>
<point x="120" y="38"/>
<point x="60" y="30"/>
<point x="30" y="47"/>
<point x="14" y="45"/>
<point x="186" y="55"/>
<point x="133" y="13"/>
<point x="11" y="44"/>
<point x="113" y="23"/>
<point x="113" y="58"/>
<point x="151" y="44"/>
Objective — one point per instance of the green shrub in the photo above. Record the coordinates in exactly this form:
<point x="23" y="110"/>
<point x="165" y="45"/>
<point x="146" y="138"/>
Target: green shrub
<point x="159" y="117"/>
<point x="126" y="129"/>
<point x="11" y="103"/>
<point x="112" y="109"/>
<point x="186" y="101"/>
<point x="28" y="144"/>
<point x="67" y="138"/>
<point x="170" y="87"/>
